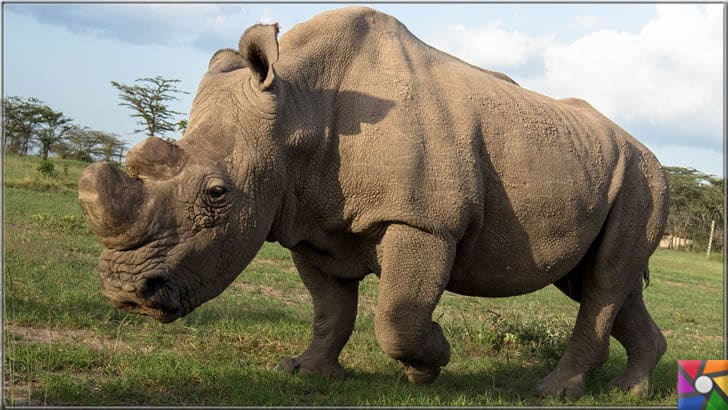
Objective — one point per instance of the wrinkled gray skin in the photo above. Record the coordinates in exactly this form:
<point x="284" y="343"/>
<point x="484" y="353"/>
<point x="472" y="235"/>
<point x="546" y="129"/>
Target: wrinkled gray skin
<point x="363" y="150"/>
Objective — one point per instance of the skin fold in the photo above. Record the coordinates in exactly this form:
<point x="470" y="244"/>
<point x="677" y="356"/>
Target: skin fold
<point x="364" y="150"/>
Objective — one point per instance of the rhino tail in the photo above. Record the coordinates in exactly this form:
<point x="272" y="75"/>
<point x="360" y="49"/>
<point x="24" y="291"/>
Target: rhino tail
<point x="646" y="277"/>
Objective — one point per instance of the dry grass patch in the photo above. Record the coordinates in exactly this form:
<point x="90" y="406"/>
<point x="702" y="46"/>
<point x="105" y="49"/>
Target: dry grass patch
<point x="83" y="337"/>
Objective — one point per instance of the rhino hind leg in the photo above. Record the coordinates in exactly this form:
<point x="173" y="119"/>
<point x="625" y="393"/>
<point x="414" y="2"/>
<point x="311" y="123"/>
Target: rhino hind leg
<point x="643" y="341"/>
<point x="414" y="268"/>
<point x="606" y="278"/>
<point x="635" y="330"/>
<point x="334" y="304"/>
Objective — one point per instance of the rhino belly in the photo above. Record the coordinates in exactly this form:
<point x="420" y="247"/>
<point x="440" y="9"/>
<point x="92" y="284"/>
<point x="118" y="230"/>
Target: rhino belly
<point x="521" y="250"/>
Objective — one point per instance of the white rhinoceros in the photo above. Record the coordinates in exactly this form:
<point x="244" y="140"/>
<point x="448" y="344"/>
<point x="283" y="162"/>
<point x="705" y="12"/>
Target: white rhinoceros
<point x="364" y="150"/>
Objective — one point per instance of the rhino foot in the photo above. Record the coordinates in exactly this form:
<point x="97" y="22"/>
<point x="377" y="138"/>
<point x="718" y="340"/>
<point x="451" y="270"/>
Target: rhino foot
<point x="555" y="386"/>
<point x="420" y="374"/>
<point x="302" y="367"/>
<point x="633" y="384"/>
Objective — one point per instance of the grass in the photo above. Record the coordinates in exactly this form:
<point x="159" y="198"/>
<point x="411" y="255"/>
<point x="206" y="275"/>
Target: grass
<point x="65" y="345"/>
<point x="22" y="172"/>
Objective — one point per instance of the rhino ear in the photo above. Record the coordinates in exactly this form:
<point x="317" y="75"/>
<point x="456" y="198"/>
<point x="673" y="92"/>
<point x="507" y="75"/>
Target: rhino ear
<point x="225" y="60"/>
<point x="259" y="50"/>
<point x="155" y="158"/>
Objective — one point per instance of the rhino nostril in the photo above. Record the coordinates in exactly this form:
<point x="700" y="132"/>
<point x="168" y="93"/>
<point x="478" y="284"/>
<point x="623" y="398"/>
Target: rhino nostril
<point x="151" y="287"/>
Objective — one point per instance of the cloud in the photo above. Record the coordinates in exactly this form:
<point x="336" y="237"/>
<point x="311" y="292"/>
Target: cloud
<point x="206" y="26"/>
<point x="490" y="46"/>
<point x="667" y="75"/>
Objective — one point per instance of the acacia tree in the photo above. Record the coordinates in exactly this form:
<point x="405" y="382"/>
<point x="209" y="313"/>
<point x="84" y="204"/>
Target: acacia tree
<point x="52" y="127"/>
<point x="149" y="100"/>
<point x="108" y="145"/>
<point x="29" y="122"/>
<point x="182" y="126"/>
<point x="86" y="144"/>
<point x="21" y="117"/>
<point x="696" y="199"/>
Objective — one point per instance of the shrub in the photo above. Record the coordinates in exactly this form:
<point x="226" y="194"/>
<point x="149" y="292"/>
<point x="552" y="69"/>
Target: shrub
<point x="47" y="168"/>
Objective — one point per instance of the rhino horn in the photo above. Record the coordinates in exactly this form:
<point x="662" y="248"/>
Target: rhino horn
<point x="110" y="201"/>
<point x="155" y="158"/>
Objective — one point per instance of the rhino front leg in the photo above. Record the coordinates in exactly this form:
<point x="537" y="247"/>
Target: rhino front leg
<point x="415" y="267"/>
<point x="334" y="305"/>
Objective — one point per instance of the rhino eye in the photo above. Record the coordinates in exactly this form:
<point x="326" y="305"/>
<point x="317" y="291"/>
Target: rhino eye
<point x="216" y="192"/>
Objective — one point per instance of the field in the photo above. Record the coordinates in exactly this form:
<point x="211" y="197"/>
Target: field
<point x="65" y="345"/>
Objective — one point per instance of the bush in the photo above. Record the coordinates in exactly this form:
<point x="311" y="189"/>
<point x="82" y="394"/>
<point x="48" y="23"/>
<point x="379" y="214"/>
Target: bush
<point x="47" y="168"/>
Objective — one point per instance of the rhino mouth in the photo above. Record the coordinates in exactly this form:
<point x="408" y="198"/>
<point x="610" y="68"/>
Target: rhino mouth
<point x="154" y="298"/>
<point x="158" y="313"/>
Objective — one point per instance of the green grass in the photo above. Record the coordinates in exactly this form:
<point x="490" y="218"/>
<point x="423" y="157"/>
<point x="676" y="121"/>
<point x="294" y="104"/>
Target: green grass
<point x="66" y="345"/>
<point x="22" y="172"/>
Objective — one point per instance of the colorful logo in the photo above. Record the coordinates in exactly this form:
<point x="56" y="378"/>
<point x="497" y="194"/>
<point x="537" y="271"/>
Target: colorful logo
<point x="702" y="385"/>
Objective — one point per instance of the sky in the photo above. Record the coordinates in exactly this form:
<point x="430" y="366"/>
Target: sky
<point x="654" y="69"/>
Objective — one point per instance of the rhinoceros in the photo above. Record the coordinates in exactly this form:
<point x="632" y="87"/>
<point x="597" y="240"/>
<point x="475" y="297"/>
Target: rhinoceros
<point x="363" y="150"/>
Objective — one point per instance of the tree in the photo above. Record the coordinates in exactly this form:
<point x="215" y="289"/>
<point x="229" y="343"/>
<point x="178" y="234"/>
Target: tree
<point x="90" y="145"/>
<point x="149" y="101"/>
<point x="81" y="143"/>
<point x="108" y="145"/>
<point x="20" y="120"/>
<point x="52" y="127"/>
<point x="29" y="122"/>
<point x="696" y="199"/>
<point x="63" y="149"/>
<point x="182" y="126"/>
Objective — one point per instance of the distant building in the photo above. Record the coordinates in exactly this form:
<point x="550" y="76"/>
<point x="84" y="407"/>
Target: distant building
<point x="670" y="241"/>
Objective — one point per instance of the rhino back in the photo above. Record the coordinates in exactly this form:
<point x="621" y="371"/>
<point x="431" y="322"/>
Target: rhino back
<point x="425" y="139"/>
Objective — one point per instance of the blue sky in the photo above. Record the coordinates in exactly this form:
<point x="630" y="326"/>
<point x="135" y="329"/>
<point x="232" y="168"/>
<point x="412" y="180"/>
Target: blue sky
<point x="656" y="70"/>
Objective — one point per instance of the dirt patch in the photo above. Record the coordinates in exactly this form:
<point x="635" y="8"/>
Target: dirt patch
<point x="18" y="393"/>
<point x="88" y="338"/>
<point x="290" y="299"/>
<point x="704" y="338"/>
<point x="673" y="283"/>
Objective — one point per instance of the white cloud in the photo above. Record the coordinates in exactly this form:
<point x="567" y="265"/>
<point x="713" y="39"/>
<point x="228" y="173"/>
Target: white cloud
<point x="666" y="75"/>
<point x="490" y="46"/>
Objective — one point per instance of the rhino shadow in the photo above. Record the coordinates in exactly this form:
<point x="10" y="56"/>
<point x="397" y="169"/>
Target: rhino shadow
<point x="356" y="109"/>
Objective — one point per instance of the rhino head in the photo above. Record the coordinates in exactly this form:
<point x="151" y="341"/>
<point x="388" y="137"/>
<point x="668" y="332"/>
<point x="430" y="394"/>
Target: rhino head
<point x="189" y="216"/>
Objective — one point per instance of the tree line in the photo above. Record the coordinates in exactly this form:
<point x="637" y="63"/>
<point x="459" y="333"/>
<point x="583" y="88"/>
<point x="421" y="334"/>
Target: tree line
<point x="31" y="126"/>
<point x="696" y="204"/>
